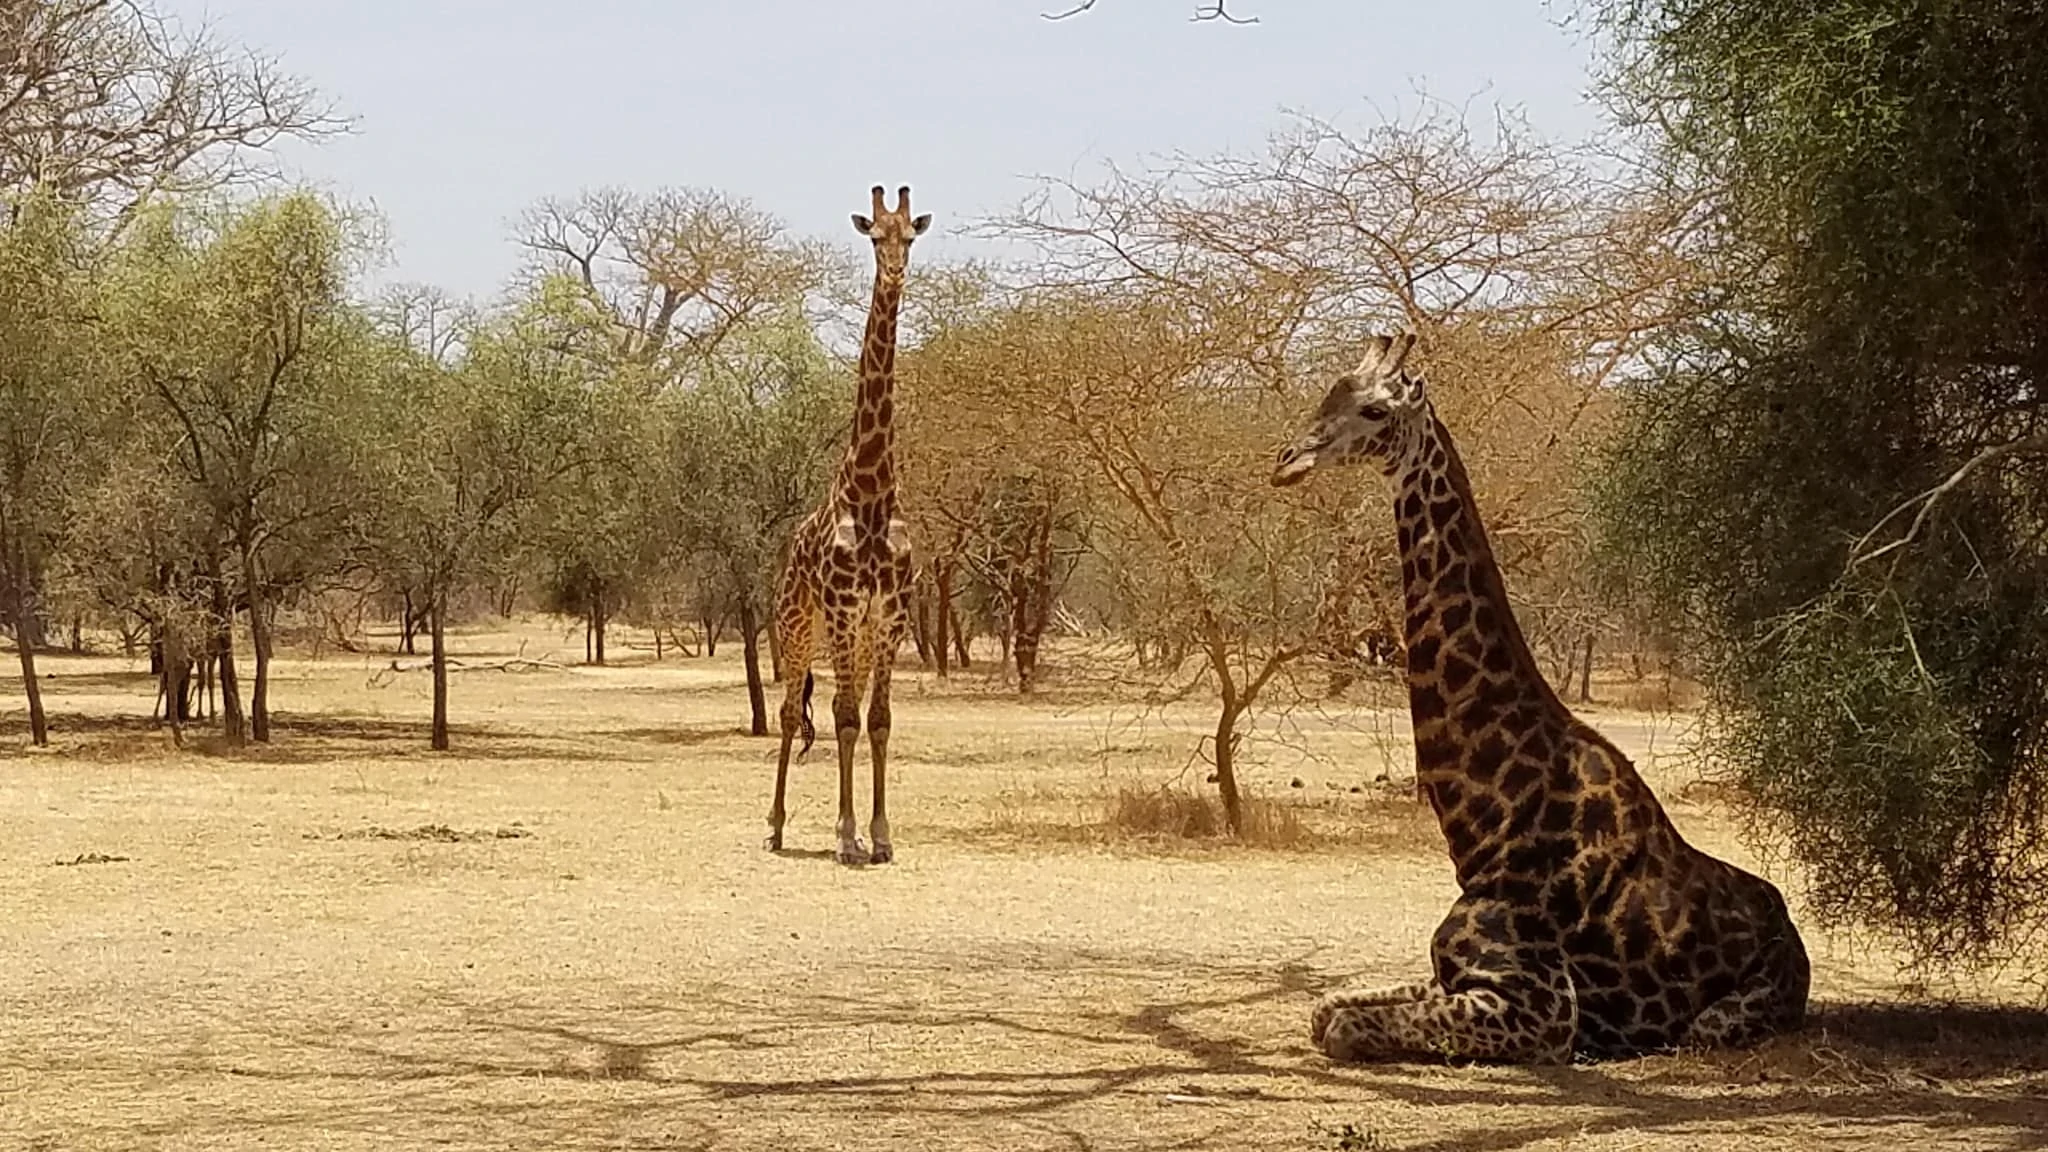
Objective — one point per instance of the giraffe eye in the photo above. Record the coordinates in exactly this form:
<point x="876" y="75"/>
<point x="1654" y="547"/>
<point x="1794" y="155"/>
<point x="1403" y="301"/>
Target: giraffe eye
<point x="1374" y="412"/>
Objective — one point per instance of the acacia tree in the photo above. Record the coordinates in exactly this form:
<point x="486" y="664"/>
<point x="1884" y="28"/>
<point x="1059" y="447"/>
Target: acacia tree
<point x="50" y="413"/>
<point x="1144" y="401"/>
<point x="235" y="324"/>
<point x="995" y="497"/>
<point x="1177" y="309"/>
<point x="656" y="285"/>
<point x="751" y="447"/>
<point x="110" y="105"/>
<point x="466" y="447"/>
<point x="1831" y="480"/>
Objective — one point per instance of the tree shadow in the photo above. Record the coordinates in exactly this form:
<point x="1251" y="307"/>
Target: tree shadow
<point x="304" y="738"/>
<point x="1964" y="1071"/>
<point x="60" y="680"/>
<point x="677" y="737"/>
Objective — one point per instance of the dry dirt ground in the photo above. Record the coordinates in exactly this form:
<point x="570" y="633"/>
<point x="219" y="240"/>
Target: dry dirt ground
<point x="567" y="935"/>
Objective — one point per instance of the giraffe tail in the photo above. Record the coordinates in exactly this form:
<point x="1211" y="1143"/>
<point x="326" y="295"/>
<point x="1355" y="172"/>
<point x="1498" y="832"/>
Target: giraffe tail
<point x="809" y="730"/>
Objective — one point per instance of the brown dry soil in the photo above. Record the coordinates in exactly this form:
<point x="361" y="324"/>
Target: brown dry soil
<point x="567" y="935"/>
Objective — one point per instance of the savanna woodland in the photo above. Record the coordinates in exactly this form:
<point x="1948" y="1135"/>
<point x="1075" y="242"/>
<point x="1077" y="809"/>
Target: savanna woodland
<point x="396" y="683"/>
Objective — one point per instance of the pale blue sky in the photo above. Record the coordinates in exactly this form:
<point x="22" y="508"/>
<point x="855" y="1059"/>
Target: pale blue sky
<point x="469" y="110"/>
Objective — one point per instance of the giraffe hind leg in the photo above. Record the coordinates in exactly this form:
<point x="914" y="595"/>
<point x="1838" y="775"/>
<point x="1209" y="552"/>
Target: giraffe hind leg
<point x="795" y="626"/>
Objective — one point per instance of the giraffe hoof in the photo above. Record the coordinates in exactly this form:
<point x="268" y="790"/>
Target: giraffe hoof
<point x="773" y="843"/>
<point x="883" y="854"/>
<point x="853" y="854"/>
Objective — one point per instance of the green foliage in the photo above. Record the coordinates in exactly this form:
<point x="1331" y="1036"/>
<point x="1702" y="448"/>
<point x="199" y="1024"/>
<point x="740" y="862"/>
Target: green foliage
<point x="750" y="450"/>
<point x="468" y="448"/>
<point x="1873" y="636"/>
<point x="51" y="408"/>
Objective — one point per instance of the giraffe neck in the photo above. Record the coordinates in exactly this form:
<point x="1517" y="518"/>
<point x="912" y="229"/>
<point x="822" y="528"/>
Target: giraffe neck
<point x="867" y="478"/>
<point x="1481" y="708"/>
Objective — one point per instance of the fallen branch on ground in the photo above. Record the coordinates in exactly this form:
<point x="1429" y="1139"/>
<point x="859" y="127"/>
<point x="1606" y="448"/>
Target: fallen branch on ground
<point x="516" y="664"/>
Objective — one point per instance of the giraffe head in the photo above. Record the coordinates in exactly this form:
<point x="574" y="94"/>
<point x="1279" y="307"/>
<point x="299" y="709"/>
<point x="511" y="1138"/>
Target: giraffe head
<point x="1375" y="412"/>
<point x="892" y="232"/>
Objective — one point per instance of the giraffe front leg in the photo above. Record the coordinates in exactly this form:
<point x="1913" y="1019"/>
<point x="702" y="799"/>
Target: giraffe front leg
<point x="1524" y="1020"/>
<point x="847" y="683"/>
<point x="1496" y="997"/>
<point x="1327" y="1008"/>
<point x="889" y="637"/>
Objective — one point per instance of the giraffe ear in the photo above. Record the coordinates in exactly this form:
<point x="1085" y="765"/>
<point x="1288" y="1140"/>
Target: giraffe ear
<point x="862" y="224"/>
<point x="923" y="222"/>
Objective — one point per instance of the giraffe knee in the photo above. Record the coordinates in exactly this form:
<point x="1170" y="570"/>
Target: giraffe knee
<point x="845" y="712"/>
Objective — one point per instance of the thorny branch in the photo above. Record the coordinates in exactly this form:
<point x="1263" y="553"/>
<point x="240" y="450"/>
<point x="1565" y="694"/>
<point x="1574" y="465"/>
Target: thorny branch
<point x="1927" y="500"/>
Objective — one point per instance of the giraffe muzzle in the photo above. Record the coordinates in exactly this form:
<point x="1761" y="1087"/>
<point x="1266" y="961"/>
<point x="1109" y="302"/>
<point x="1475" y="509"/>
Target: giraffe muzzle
<point x="1293" y="466"/>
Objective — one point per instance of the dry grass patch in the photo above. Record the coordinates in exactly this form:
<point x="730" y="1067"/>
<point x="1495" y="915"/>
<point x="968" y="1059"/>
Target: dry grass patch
<point x="1183" y="813"/>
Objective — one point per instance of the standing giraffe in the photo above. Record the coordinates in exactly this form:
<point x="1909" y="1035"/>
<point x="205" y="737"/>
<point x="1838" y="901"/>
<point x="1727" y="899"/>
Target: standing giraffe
<point x="1586" y="924"/>
<point x="849" y="561"/>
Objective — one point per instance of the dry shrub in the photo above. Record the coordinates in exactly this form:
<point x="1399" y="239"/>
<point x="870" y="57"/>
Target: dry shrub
<point x="1182" y="813"/>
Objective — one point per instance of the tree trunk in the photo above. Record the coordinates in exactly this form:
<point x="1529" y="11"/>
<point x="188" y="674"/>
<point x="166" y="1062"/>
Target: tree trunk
<point x="1031" y="602"/>
<point x="1586" y="672"/>
<point x="774" y="652"/>
<point x="750" y="642"/>
<point x="921" y="623"/>
<point x="943" y="577"/>
<point x="78" y="635"/>
<point x="961" y="643"/>
<point x="436" y="610"/>
<point x="38" y="721"/>
<point x="259" y="642"/>
<point x="24" y="645"/>
<point x="408" y="623"/>
<point x="598" y="619"/>
<point x="234" y="726"/>
<point x="1226" y="763"/>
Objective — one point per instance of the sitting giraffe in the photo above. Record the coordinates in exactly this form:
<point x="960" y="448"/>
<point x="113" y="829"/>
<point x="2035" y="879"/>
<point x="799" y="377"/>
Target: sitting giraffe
<point x="849" y="565"/>
<point x="1587" y="926"/>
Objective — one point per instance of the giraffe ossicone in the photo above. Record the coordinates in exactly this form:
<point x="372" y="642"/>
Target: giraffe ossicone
<point x="1585" y="925"/>
<point x="847" y="574"/>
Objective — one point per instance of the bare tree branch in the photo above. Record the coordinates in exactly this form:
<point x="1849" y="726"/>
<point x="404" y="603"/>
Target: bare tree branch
<point x="1927" y="500"/>
<point x="1213" y="10"/>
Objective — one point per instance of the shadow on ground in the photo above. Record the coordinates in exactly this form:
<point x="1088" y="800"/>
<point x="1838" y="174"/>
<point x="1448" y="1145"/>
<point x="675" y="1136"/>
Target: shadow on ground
<point x="698" y="1060"/>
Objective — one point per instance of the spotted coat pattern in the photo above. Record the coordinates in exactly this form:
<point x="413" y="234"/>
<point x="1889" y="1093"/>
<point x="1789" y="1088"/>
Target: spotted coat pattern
<point x="1586" y="925"/>
<point x="846" y="578"/>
